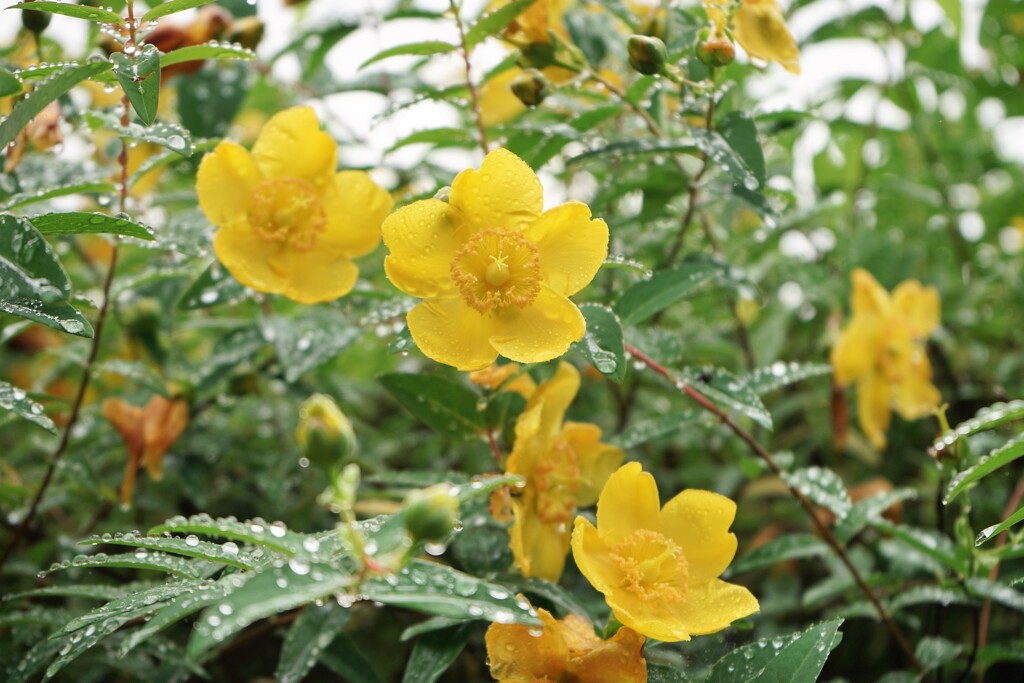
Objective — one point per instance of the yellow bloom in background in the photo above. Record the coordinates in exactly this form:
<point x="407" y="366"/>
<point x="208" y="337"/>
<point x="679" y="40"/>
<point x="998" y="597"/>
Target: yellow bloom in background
<point x="565" y="466"/>
<point x="493" y="268"/>
<point x="288" y="222"/>
<point x="760" y="28"/>
<point x="498" y="377"/>
<point x="534" y="22"/>
<point x="659" y="569"/>
<point x="566" y="650"/>
<point x="882" y="350"/>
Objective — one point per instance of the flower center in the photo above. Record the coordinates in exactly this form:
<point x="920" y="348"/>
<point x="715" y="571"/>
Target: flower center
<point x="652" y="566"/>
<point x="497" y="269"/>
<point x="287" y="210"/>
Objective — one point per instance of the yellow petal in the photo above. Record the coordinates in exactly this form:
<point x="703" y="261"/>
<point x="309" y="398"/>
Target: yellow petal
<point x="539" y="549"/>
<point x="515" y="654"/>
<point x="628" y="502"/>
<point x="450" y="332"/>
<point x="572" y="246"/>
<point x="292" y="145"/>
<point x="699" y="522"/>
<point x="857" y="350"/>
<point x="596" y="460"/>
<point x="918" y="306"/>
<point x="247" y="257"/>
<point x="590" y="551"/>
<point x="355" y="206"/>
<point x="554" y="397"/>
<point x="498" y="103"/>
<point x="874" y="395"/>
<point x="504" y="194"/>
<point x="224" y="182"/>
<point x="916" y="396"/>
<point x="869" y="297"/>
<point x="318" y="275"/>
<point x="712" y="606"/>
<point x="540" y="332"/>
<point x="654" y="619"/>
<point x="717" y="13"/>
<point x="422" y="241"/>
<point x="761" y="29"/>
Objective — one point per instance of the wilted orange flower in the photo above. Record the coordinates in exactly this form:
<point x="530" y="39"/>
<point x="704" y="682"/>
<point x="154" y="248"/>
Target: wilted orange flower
<point x="496" y="376"/>
<point x="882" y="350"/>
<point x="566" y="650"/>
<point x="148" y="433"/>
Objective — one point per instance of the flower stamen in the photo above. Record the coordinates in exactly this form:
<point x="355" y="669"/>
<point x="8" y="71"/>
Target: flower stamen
<point x="287" y="210"/>
<point x="497" y="269"/>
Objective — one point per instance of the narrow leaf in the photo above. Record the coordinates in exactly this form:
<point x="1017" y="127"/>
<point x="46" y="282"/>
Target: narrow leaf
<point x="172" y="7"/>
<point x="602" y="345"/>
<point x="997" y="458"/>
<point x="68" y="9"/>
<point x="26" y="198"/>
<point x="781" y="549"/>
<point x="203" y="51"/>
<point x="493" y="22"/>
<point x="798" y="658"/>
<point x="139" y="76"/>
<point x="988" y="417"/>
<point x="728" y="391"/>
<point x="824" y="487"/>
<point x="169" y="564"/>
<point x="446" y="407"/>
<point x="256" y="531"/>
<point x="10" y="84"/>
<point x="664" y="288"/>
<point x="779" y="374"/>
<point x="17" y="401"/>
<point x="190" y="546"/>
<point x="80" y="222"/>
<point x="996" y="529"/>
<point x="434" y="653"/>
<point x="427" y="47"/>
<point x="312" y="632"/>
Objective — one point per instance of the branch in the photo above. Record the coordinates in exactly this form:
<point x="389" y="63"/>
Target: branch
<point x="474" y="97"/>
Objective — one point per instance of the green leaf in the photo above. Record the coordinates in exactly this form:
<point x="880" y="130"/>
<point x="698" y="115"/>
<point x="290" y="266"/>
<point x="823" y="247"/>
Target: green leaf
<point x="446" y="407"/>
<point x="80" y="222"/>
<point x="870" y="510"/>
<point x="824" y="487"/>
<point x="128" y="602"/>
<point x="728" y="391"/>
<point x="929" y="595"/>
<point x="137" y="372"/>
<point x="169" y="135"/>
<point x="792" y="659"/>
<point x="439" y="137"/>
<point x="427" y="47"/>
<point x="274" y="536"/>
<point x="26" y="198"/>
<point x="314" y="630"/>
<point x="662" y="673"/>
<point x="209" y="100"/>
<point x="628" y="148"/>
<point x="26" y="110"/>
<point x="988" y="417"/>
<point x="72" y="10"/>
<point x="445" y="592"/>
<point x="929" y="542"/>
<point x="10" y="84"/>
<point x="996" y="592"/>
<point x="17" y="401"/>
<point x="665" y="287"/>
<point x="270" y="592"/>
<point x="493" y="22"/>
<point x="190" y="546"/>
<point x="214" y="286"/>
<point x="780" y="374"/>
<point x="780" y="549"/>
<point x="33" y="283"/>
<point x="434" y="652"/>
<point x="139" y="76"/>
<point x="987" y="533"/>
<point x="168" y="564"/>
<point x="346" y="658"/>
<point x="213" y="50"/>
<point x="309" y="340"/>
<point x="172" y="7"/>
<point x="718" y="151"/>
<point x="740" y="132"/>
<point x="653" y="428"/>
<point x="954" y="11"/>
<point x="934" y="652"/>
<point x="997" y="458"/>
<point x="602" y="345"/>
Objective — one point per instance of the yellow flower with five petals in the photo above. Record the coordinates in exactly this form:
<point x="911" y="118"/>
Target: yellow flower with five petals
<point x="564" y="464"/>
<point x="659" y="568"/>
<point x="288" y="222"/>
<point x="882" y="350"/>
<point x="566" y="650"/>
<point x="493" y="268"/>
<point x="760" y="28"/>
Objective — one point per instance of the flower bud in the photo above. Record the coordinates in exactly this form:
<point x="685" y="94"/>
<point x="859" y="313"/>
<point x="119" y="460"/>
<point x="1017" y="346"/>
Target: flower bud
<point x="247" y="32"/>
<point x="35" y="20"/>
<point x="715" y="50"/>
<point x="537" y="56"/>
<point x="430" y="514"/>
<point x="142" y="316"/>
<point x="324" y="434"/>
<point x="530" y="87"/>
<point x="646" y="54"/>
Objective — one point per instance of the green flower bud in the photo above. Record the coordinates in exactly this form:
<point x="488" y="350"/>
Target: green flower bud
<point x="35" y="20"/>
<point x="531" y="87"/>
<point x="430" y="514"/>
<point x="714" y="51"/>
<point x="537" y="56"/>
<point x="247" y="32"/>
<point x="646" y="54"/>
<point x="324" y="434"/>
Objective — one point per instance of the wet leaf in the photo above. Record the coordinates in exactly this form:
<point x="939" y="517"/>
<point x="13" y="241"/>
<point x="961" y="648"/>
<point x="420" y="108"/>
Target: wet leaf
<point x="446" y="407"/>
<point x="797" y="658"/>
<point x="139" y="76"/>
<point x="427" y="47"/>
<point x="314" y="630"/>
<point x="105" y="16"/>
<point x="79" y="222"/>
<point x="171" y="7"/>
<point x="17" y="401"/>
<point x="602" y="345"/>
<point x="996" y="459"/>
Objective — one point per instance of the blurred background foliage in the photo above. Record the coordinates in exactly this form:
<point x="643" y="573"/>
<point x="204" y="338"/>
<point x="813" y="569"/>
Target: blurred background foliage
<point x="897" y="150"/>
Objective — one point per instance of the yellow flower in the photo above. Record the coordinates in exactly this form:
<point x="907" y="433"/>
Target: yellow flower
<point x="882" y="350"/>
<point x="760" y="29"/>
<point x="495" y="270"/>
<point x="496" y="377"/>
<point x="288" y="222"/>
<point x="659" y="569"/>
<point x="567" y="650"/>
<point x="565" y="466"/>
<point x="534" y="22"/>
